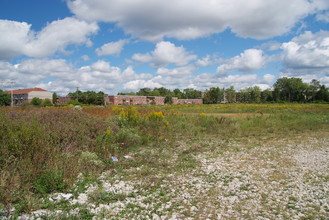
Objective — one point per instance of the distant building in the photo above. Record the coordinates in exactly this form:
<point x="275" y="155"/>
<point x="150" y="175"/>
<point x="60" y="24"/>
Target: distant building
<point x="23" y="95"/>
<point x="134" y="100"/>
<point x="177" y="101"/>
<point x="63" y="100"/>
<point x="146" y="100"/>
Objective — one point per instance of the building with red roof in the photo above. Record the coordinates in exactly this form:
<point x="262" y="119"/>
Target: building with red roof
<point x="26" y="95"/>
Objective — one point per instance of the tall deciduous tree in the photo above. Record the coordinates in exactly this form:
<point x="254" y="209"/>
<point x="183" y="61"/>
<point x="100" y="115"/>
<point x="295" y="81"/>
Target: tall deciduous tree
<point x="291" y="89"/>
<point x="213" y="96"/>
<point x="4" y="98"/>
<point x="230" y="95"/>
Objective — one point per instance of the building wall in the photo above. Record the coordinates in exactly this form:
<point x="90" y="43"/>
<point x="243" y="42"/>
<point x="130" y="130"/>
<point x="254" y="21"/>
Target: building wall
<point x="177" y="101"/>
<point x="146" y="100"/>
<point x="63" y="100"/>
<point x="40" y="95"/>
<point x="157" y="100"/>
<point x="125" y="100"/>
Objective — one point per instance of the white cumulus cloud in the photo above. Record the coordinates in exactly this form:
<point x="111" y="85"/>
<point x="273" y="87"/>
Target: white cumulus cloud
<point x="179" y="72"/>
<point x="138" y="84"/>
<point x="307" y="53"/>
<point x="59" y="76"/>
<point x="166" y="53"/>
<point x="248" y="61"/>
<point x="17" y="38"/>
<point x="190" y="19"/>
<point x="112" y="48"/>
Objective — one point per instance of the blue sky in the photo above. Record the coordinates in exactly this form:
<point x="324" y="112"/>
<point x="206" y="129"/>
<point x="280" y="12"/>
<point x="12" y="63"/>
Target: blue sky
<point x="124" y="45"/>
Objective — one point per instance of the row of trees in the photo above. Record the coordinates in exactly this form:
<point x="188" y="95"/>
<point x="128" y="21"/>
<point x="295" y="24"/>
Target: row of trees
<point x="89" y="97"/>
<point x="284" y="90"/>
<point x="188" y="93"/>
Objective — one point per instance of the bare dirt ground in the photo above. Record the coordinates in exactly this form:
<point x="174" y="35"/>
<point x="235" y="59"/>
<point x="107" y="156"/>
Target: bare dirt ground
<point x="216" y="179"/>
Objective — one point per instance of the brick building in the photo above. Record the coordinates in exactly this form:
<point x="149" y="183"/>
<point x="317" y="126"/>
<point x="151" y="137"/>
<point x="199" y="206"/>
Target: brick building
<point x="177" y="101"/>
<point x="134" y="100"/>
<point x="146" y="100"/>
<point x="63" y="100"/>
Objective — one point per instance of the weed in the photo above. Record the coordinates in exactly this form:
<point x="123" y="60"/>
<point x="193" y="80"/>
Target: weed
<point x="49" y="181"/>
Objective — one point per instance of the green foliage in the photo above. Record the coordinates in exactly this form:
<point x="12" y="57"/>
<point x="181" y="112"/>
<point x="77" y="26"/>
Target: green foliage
<point x="250" y="95"/>
<point x="127" y="137"/>
<point x="35" y="140"/>
<point x="4" y="98"/>
<point x="49" y="181"/>
<point x="47" y="102"/>
<point x="36" y="101"/>
<point x="89" y="97"/>
<point x="102" y="197"/>
<point x="230" y="95"/>
<point x="168" y="99"/>
<point x="290" y="89"/>
<point x="73" y="102"/>
<point x="54" y="98"/>
<point x="190" y="93"/>
<point x="214" y="96"/>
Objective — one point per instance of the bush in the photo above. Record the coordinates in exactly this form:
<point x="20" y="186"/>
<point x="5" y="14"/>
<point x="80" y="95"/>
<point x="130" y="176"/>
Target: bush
<point x="73" y="102"/>
<point x="36" y="101"/>
<point x="49" y="181"/>
<point x="47" y="102"/>
<point x="127" y="137"/>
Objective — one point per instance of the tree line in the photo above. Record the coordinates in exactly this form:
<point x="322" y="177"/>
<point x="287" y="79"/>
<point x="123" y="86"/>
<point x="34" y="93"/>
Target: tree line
<point x="284" y="90"/>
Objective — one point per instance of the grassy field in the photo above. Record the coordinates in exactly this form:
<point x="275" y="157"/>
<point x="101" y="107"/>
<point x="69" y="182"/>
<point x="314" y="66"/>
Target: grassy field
<point x="231" y="161"/>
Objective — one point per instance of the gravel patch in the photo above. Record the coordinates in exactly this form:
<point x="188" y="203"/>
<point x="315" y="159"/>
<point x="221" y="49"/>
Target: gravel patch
<point x="279" y="181"/>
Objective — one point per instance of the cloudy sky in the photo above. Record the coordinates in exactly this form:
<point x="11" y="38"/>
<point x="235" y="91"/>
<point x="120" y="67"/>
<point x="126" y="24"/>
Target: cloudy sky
<point x="123" y="45"/>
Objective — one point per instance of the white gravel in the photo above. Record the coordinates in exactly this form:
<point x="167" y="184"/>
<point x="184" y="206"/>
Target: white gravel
<point x="280" y="181"/>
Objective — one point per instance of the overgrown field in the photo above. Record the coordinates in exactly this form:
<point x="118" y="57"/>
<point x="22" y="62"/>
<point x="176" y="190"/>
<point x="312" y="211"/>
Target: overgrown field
<point x="206" y="161"/>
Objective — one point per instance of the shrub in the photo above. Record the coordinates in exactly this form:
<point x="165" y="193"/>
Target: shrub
<point x="127" y="137"/>
<point x="156" y="116"/>
<point x="36" y="101"/>
<point x="49" y="181"/>
<point x="47" y="102"/>
<point x="73" y="102"/>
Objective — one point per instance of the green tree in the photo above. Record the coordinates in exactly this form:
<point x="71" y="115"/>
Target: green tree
<point x="168" y="99"/>
<point x="178" y="94"/>
<point x="47" y="102"/>
<point x="313" y="89"/>
<point x="190" y="93"/>
<point x="322" y="94"/>
<point x="54" y="98"/>
<point x="254" y="94"/>
<point x="164" y="92"/>
<point x="213" y="96"/>
<point x="266" y="96"/>
<point x="144" y="92"/>
<point x="36" y="101"/>
<point x="290" y="89"/>
<point x="4" y="98"/>
<point x="230" y="95"/>
<point x="89" y="97"/>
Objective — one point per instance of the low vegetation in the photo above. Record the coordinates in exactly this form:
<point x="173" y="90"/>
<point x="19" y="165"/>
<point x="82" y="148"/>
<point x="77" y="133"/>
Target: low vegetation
<point x="116" y="154"/>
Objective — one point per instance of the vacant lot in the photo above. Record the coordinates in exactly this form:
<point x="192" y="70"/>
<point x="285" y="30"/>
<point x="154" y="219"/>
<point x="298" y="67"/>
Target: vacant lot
<point x="170" y="162"/>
